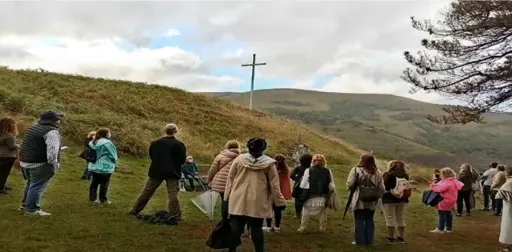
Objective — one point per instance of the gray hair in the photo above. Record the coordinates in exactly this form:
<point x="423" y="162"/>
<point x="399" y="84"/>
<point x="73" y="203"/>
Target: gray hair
<point x="170" y="129"/>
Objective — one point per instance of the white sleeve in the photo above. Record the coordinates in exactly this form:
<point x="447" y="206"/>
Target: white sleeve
<point x="331" y="185"/>
<point x="304" y="183"/>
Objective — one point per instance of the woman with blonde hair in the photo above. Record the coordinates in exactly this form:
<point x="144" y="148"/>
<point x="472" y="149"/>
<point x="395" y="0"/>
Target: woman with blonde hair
<point x="318" y="185"/>
<point x="464" y="196"/>
<point x="86" y="175"/>
<point x="8" y="150"/>
<point x="394" y="205"/>
<point x="219" y="171"/>
<point x="368" y="184"/>
<point x="499" y="180"/>
<point x="505" y="194"/>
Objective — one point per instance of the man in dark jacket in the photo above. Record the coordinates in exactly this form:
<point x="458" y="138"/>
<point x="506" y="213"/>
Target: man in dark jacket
<point x="167" y="155"/>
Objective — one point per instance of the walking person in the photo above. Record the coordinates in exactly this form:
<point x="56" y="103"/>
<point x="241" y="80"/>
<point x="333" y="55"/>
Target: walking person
<point x="499" y="179"/>
<point x="505" y="194"/>
<point x="296" y="176"/>
<point x="189" y="170"/>
<point x="39" y="159"/>
<point x="218" y="173"/>
<point x="167" y="155"/>
<point x="8" y="150"/>
<point x="488" y="177"/>
<point x="286" y="191"/>
<point x="86" y="174"/>
<point x="252" y="186"/>
<point x="464" y="195"/>
<point x="449" y="188"/>
<point x="318" y="183"/>
<point x="369" y="184"/>
<point x="395" y="200"/>
<point x="101" y="170"/>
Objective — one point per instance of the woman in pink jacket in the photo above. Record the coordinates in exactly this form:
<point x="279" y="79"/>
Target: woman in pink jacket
<point x="449" y="188"/>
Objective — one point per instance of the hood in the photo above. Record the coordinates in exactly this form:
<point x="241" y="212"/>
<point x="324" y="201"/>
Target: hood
<point x="99" y="143"/>
<point x="260" y="163"/>
<point x="457" y="183"/>
<point x="230" y="153"/>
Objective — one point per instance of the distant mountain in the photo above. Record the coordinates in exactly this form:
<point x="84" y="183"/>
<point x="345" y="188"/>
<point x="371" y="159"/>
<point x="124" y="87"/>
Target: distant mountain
<point x="392" y="126"/>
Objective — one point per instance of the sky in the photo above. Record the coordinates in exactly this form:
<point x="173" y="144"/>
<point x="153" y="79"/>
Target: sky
<point x="333" y="46"/>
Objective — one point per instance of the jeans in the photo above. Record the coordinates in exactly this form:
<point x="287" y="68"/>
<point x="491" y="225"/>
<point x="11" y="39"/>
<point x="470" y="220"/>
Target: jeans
<point x="173" y="188"/>
<point x="464" y="197"/>
<point x="191" y="179"/>
<point x="37" y="181"/>
<point x="445" y="220"/>
<point x="102" y="181"/>
<point x="5" y="169"/>
<point x="365" y="227"/>
<point x="237" y="228"/>
<point x="487" y="197"/>
<point x="278" y="215"/>
<point x="86" y="174"/>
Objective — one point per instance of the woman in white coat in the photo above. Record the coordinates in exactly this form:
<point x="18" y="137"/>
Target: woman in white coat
<point x="505" y="193"/>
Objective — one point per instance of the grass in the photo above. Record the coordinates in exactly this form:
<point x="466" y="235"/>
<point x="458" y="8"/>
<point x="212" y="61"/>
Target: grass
<point x="136" y="113"/>
<point x="77" y="226"/>
<point x="389" y="125"/>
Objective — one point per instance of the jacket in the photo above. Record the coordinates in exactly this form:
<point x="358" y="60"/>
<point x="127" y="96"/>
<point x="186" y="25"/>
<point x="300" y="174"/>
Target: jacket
<point x="167" y="155"/>
<point x="252" y="187"/>
<point x="218" y="173"/>
<point x="8" y="146"/>
<point x="499" y="179"/>
<point x="106" y="156"/>
<point x="189" y="168"/>
<point x="449" y="189"/>
<point x="390" y="184"/>
<point x="285" y="185"/>
<point x="467" y="179"/>
<point x="376" y="178"/>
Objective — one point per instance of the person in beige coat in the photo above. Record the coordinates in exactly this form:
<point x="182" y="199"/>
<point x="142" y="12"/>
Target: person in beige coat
<point x="499" y="180"/>
<point x="252" y="186"/>
<point x="219" y="171"/>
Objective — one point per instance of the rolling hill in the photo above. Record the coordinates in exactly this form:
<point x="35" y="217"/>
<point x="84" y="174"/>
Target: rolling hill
<point x="391" y="126"/>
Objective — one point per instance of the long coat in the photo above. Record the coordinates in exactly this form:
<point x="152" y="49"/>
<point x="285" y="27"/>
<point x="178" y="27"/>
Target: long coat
<point x="505" y="193"/>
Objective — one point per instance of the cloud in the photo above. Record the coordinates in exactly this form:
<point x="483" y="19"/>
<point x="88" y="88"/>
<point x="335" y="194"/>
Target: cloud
<point x="300" y="40"/>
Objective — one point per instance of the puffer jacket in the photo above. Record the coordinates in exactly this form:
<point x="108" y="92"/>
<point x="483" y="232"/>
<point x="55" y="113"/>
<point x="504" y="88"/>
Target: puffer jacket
<point x="218" y="173"/>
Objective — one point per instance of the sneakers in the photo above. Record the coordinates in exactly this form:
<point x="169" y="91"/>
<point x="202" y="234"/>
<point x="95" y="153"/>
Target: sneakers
<point x="400" y="240"/>
<point x="38" y="213"/>
<point x="105" y="203"/>
<point x="277" y="230"/>
<point x="300" y="230"/>
<point x="437" y="231"/>
<point x="21" y="208"/>
<point x="448" y="231"/>
<point x="390" y="240"/>
<point x="459" y="215"/>
<point x="267" y="229"/>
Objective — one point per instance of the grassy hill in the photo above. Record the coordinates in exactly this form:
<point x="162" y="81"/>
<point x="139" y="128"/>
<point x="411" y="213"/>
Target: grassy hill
<point x="136" y="113"/>
<point x="389" y="125"/>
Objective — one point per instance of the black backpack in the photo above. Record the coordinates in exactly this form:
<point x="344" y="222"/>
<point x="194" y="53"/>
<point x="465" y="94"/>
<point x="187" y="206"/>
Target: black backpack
<point x="90" y="154"/>
<point x="368" y="190"/>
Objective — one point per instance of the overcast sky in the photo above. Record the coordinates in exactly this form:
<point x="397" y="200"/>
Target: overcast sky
<point x="335" y="46"/>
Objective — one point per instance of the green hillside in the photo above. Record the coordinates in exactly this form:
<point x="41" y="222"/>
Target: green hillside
<point x="389" y="125"/>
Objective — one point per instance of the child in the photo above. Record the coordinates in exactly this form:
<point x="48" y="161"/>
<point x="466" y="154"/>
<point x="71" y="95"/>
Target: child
<point x="285" y="186"/>
<point x="449" y="188"/>
<point x="101" y="170"/>
<point x="437" y="176"/>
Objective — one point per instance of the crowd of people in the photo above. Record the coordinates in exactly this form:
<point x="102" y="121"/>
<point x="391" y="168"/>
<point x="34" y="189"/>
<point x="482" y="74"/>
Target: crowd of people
<point x="253" y="186"/>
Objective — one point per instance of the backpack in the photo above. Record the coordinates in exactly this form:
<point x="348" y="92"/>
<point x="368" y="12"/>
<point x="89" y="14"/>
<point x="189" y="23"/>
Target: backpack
<point x="90" y="154"/>
<point x="368" y="190"/>
<point x="403" y="189"/>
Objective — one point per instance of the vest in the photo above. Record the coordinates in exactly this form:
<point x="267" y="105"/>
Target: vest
<point x="319" y="179"/>
<point x="33" y="147"/>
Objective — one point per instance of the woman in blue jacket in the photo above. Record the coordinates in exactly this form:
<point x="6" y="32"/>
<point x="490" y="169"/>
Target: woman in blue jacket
<point x="105" y="164"/>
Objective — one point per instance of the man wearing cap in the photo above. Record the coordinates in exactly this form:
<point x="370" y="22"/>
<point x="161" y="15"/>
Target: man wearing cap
<point x="167" y="155"/>
<point x="39" y="158"/>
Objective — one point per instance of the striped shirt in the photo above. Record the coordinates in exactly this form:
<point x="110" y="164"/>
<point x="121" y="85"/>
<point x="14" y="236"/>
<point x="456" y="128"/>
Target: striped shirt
<point x="52" y="140"/>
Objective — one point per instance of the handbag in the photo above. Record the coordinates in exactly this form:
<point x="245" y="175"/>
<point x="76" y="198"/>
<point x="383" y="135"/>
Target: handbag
<point x="219" y="237"/>
<point x="431" y="198"/>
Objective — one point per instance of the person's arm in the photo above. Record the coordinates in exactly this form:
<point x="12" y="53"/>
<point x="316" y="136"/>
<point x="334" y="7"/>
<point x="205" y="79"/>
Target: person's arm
<point x="231" y="176"/>
<point x="351" y="179"/>
<point x="152" y="150"/>
<point x="440" y="187"/>
<point x="275" y="189"/>
<point x="304" y="183"/>
<point x="194" y="166"/>
<point x="214" y="169"/>
<point x="293" y="175"/>
<point x="52" y="140"/>
<point x="112" y="153"/>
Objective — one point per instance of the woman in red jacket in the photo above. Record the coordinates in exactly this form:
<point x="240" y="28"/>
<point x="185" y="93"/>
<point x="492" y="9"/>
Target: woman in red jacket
<point x="286" y="190"/>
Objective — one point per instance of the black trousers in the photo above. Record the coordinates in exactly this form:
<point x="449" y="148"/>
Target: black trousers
<point x="299" y="204"/>
<point x="237" y="229"/>
<point x="102" y="181"/>
<point x="5" y="169"/>
<point x="278" y="215"/>
<point x="464" y="197"/>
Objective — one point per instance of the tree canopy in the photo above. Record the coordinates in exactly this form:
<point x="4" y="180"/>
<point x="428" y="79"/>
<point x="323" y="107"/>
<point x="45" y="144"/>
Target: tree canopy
<point x="469" y="57"/>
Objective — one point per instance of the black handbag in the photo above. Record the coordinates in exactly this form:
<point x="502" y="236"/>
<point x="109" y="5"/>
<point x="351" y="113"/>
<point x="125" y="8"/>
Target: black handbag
<point x="219" y="238"/>
<point x="431" y="198"/>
